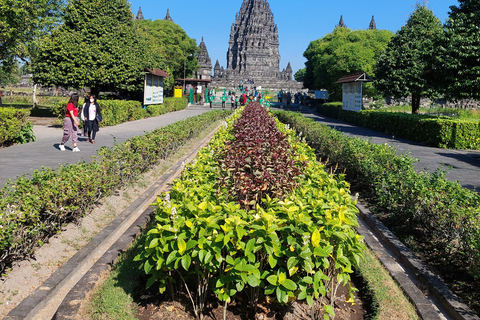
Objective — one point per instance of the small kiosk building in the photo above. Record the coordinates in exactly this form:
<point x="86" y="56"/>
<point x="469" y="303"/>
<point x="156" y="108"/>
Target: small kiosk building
<point x="153" y="87"/>
<point x="353" y="90"/>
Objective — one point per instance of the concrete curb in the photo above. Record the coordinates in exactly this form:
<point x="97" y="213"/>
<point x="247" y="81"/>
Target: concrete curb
<point x="416" y="272"/>
<point x="71" y="282"/>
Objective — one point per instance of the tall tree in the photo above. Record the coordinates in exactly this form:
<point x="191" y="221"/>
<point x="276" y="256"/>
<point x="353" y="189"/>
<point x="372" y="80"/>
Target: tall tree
<point x="97" y="46"/>
<point x="403" y="68"/>
<point x="170" y="45"/>
<point x="22" y="21"/>
<point x="300" y="75"/>
<point x="458" y="62"/>
<point x="340" y="53"/>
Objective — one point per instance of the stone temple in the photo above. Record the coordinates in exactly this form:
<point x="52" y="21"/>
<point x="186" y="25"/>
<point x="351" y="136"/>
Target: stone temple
<point x="253" y="58"/>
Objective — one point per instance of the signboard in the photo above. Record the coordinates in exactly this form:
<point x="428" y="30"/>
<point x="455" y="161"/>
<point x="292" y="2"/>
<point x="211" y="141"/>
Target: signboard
<point x="321" y="94"/>
<point x="153" y="93"/>
<point x="352" y="96"/>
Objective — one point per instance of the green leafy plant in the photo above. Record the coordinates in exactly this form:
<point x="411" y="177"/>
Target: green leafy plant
<point x="32" y="209"/>
<point x="300" y="244"/>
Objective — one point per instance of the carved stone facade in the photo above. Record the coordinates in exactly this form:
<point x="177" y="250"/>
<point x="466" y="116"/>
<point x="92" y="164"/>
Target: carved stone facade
<point x="167" y="16"/>
<point x="253" y="57"/>
<point x="205" y="63"/>
<point x="139" y="14"/>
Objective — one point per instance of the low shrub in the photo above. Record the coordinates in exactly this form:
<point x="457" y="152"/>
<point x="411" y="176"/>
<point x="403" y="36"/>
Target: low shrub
<point x="15" y="127"/>
<point x="119" y="111"/>
<point x="441" y="217"/>
<point x="32" y="209"/>
<point x="300" y="244"/>
<point x="440" y="132"/>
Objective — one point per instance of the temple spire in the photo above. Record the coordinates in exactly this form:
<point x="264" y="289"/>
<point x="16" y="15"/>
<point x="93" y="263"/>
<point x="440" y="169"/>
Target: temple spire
<point x="167" y="17"/>
<point x="373" y="25"/>
<point x="139" y="14"/>
<point x="341" y="24"/>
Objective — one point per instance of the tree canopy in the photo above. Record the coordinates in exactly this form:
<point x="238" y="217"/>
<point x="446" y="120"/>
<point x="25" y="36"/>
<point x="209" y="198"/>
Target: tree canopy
<point x="404" y="67"/>
<point x="169" y="47"/>
<point x="97" y="46"/>
<point x="458" y="61"/>
<point x="340" y="53"/>
<point x="300" y="75"/>
<point x="22" y="21"/>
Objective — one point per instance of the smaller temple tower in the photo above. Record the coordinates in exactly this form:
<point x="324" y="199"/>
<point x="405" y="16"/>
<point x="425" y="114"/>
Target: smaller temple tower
<point x="341" y="24"/>
<point x="205" y="63"/>
<point x="373" y="24"/>
<point x="139" y="14"/>
<point x="167" y="17"/>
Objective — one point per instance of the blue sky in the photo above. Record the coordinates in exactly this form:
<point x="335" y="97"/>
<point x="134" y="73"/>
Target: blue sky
<point x="299" y="21"/>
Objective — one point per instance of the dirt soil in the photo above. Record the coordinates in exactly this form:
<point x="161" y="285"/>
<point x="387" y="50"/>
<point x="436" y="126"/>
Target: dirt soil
<point x="181" y="309"/>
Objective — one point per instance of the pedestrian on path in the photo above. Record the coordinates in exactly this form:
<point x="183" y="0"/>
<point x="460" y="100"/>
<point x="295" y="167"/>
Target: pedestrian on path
<point x="70" y="126"/>
<point x="93" y="116"/>
<point x="232" y="100"/>
<point x="82" y="117"/>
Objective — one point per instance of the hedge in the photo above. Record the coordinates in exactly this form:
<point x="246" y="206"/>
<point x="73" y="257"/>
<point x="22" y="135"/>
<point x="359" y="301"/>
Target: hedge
<point x="32" y="209"/>
<point x="15" y="127"/>
<point x="440" y="132"/>
<point x="440" y="216"/>
<point x="119" y="111"/>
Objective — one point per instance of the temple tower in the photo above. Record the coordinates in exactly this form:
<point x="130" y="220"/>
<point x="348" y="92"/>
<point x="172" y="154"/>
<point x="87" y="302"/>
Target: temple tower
<point x="205" y="63"/>
<point x="341" y="24"/>
<point x="167" y="17"/>
<point x="253" y="56"/>
<point x="373" y="24"/>
<point x="253" y="44"/>
<point x="139" y="14"/>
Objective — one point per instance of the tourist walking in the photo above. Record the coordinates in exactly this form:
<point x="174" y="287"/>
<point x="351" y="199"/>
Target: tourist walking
<point x="82" y="117"/>
<point x="232" y="100"/>
<point x="224" y="98"/>
<point x="93" y="116"/>
<point x="70" y="125"/>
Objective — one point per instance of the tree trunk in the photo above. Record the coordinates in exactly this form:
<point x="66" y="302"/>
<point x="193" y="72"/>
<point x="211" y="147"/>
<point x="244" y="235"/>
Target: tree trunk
<point x="415" y="102"/>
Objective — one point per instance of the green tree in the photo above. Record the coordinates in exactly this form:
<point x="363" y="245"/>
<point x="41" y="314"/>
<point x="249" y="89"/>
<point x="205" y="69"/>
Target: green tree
<point x="97" y="46"/>
<point x="404" y="67"/>
<point x="458" y="62"/>
<point x="169" y="45"/>
<point x="340" y="53"/>
<point x="300" y="75"/>
<point x="22" y="21"/>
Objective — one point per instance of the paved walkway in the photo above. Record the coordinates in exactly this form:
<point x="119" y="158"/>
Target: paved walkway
<point x="24" y="159"/>
<point x="464" y="164"/>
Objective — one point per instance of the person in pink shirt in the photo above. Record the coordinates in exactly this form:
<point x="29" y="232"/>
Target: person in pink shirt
<point x="70" y="127"/>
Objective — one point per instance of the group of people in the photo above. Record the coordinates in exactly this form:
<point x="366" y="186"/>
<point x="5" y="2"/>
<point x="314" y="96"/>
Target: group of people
<point x="286" y="97"/>
<point x="90" y="115"/>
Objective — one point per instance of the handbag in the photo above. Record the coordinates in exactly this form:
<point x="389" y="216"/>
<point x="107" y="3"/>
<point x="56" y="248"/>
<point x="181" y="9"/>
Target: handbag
<point x="99" y="118"/>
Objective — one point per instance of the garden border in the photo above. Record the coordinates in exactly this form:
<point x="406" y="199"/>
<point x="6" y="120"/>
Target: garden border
<point x="451" y="303"/>
<point x="67" y="306"/>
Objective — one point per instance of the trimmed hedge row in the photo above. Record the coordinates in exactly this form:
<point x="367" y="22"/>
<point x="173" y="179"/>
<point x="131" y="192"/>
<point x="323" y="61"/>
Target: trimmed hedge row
<point x="32" y="209"/>
<point x="440" y="132"/>
<point x="15" y="127"/>
<point x="440" y="216"/>
<point x="119" y="111"/>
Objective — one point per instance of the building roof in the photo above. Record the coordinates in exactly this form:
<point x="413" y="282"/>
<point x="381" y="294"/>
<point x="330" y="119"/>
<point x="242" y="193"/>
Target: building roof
<point x="357" y="77"/>
<point x="158" y="72"/>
